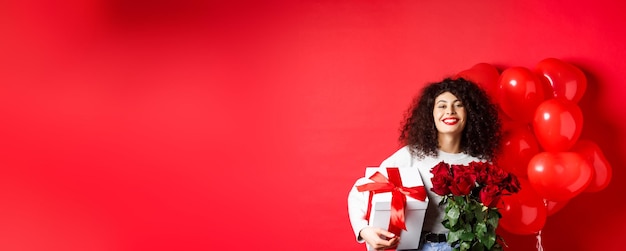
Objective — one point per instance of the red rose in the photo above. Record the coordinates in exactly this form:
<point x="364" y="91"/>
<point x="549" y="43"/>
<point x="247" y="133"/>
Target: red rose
<point x="480" y="180"/>
<point x="512" y="183"/>
<point x="490" y="195"/>
<point x="441" y="169"/>
<point x="460" y="170"/>
<point x="441" y="184"/>
<point x="441" y="178"/>
<point x="463" y="184"/>
<point x="496" y="175"/>
<point x="482" y="171"/>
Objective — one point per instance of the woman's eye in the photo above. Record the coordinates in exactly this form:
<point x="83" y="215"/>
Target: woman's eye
<point x="441" y="107"/>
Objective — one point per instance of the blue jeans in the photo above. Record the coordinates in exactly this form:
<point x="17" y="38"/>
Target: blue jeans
<point x="432" y="246"/>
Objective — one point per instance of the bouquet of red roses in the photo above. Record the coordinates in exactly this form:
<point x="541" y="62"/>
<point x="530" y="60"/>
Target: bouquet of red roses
<point x="471" y="194"/>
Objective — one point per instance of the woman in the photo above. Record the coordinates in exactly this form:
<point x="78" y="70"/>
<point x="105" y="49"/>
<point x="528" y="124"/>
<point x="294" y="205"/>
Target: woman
<point x="452" y="121"/>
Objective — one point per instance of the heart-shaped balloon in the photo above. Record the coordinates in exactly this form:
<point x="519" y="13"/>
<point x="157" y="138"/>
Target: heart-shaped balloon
<point x="523" y="212"/>
<point x="507" y="122"/>
<point x="518" y="147"/>
<point x="557" y="124"/>
<point x="485" y="75"/>
<point x="602" y="171"/>
<point x="567" y="81"/>
<point x="559" y="176"/>
<point x="555" y="206"/>
<point x="520" y="92"/>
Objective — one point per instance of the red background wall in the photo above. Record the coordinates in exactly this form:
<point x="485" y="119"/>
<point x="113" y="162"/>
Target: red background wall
<point x="204" y="125"/>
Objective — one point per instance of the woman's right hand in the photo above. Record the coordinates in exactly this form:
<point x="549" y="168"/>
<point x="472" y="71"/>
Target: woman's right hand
<point x="378" y="238"/>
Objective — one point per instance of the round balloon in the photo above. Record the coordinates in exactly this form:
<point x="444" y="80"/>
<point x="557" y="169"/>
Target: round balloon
<point x="520" y="92"/>
<point x="559" y="176"/>
<point x="557" y="124"/>
<point x="602" y="171"/>
<point x="485" y="75"/>
<point x="518" y="147"/>
<point x="567" y="81"/>
<point x="524" y="212"/>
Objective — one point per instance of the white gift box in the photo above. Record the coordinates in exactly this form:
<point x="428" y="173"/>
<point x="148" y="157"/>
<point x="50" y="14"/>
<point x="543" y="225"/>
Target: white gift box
<point x="414" y="210"/>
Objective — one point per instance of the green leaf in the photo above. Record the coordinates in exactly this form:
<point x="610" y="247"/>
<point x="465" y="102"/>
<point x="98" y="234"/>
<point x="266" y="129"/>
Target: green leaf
<point x="467" y="236"/>
<point x="480" y="217"/>
<point x="453" y="236"/>
<point x="488" y="240"/>
<point x="453" y="215"/>
<point x="471" y="225"/>
<point x="465" y="246"/>
<point x="493" y="218"/>
<point x="459" y="200"/>
<point x="467" y="228"/>
<point x="480" y="229"/>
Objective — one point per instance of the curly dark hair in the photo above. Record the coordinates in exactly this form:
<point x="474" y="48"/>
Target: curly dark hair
<point x="481" y="135"/>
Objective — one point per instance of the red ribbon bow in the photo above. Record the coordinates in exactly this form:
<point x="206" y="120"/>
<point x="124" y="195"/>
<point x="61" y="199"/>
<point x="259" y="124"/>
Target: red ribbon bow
<point x="398" y="196"/>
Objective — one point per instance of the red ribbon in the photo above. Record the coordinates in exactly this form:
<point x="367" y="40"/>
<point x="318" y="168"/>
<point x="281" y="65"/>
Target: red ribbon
<point x="398" y="196"/>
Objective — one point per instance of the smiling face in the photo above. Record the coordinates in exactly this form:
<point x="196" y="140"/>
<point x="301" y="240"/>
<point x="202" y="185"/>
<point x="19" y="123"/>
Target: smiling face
<point x="449" y="115"/>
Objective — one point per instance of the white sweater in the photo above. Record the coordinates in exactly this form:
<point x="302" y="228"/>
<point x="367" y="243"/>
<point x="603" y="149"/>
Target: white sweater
<point x="357" y="201"/>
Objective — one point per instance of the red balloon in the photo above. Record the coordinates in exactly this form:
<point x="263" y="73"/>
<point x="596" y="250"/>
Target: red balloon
<point x="567" y="81"/>
<point x="602" y="171"/>
<point x="508" y="123"/>
<point x="485" y="75"/>
<point x="518" y="147"/>
<point x="524" y="212"/>
<point x="555" y="206"/>
<point x="559" y="176"/>
<point x="520" y="92"/>
<point x="557" y="124"/>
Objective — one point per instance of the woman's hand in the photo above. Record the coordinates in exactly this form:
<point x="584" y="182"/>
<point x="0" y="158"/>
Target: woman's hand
<point x="378" y="238"/>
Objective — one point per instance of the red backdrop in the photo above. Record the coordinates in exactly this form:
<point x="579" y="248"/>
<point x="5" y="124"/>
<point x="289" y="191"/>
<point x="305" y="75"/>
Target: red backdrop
<point x="200" y="125"/>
